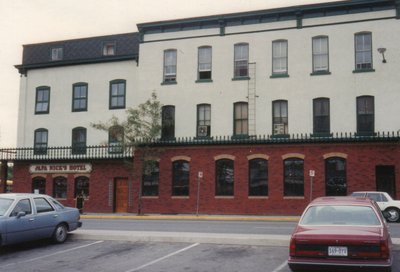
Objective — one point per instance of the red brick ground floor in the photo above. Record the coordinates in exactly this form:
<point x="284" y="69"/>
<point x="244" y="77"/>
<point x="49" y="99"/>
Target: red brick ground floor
<point x="271" y="179"/>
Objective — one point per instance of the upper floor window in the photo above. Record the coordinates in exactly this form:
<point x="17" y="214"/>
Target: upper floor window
<point x="57" y="53"/>
<point x="365" y="115"/>
<point x="42" y="104"/>
<point x="203" y="120"/>
<point x="150" y="178"/>
<point x="115" y="139"/>
<point x="79" y="96"/>
<point x="363" y="50"/>
<point x="258" y="177"/>
<point x="168" y="122"/>
<point x="40" y="141"/>
<point x="117" y="94"/>
<point x="79" y="140"/>
<point x="294" y="177"/>
<point x="320" y="51"/>
<point x="279" y="57"/>
<point x="180" y="178"/>
<point x="170" y="61"/>
<point x="204" y="63"/>
<point x="241" y="118"/>
<point x="109" y="49"/>
<point x="335" y="177"/>
<point x="321" y="116"/>
<point x="280" y="117"/>
<point x="224" y="177"/>
<point x="241" y="60"/>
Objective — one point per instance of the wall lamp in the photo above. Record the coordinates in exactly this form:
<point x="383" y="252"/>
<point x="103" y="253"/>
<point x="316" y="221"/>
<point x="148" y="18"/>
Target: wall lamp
<point x="382" y="50"/>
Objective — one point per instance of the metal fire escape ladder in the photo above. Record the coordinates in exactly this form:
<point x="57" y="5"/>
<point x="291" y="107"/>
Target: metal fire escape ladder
<point x="252" y="97"/>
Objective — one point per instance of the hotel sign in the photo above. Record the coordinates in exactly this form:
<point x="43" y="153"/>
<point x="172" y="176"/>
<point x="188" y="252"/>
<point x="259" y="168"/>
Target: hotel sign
<point x="60" y="168"/>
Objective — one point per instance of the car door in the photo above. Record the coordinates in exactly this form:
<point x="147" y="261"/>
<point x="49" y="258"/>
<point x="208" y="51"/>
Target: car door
<point x="20" y="227"/>
<point x="46" y="218"/>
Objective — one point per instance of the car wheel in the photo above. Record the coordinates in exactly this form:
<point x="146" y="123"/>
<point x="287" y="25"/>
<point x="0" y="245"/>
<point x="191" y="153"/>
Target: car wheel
<point x="60" y="234"/>
<point x="394" y="215"/>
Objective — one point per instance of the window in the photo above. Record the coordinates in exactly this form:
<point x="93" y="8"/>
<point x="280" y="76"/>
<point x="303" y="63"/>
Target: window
<point x="204" y="68"/>
<point x="168" y="122"/>
<point x="241" y="60"/>
<point x="40" y="144"/>
<point x="24" y="205"/>
<point x="79" y="97"/>
<point x="42" y="205"/>
<point x="335" y="177"/>
<point x="151" y="178"/>
<point x="180" y="178"/>
<point x="42" y="104"/>
<point x="117" y="94"/>
<point x="57" y="53"/>
<point x="203" y="120"/>
<point x="170" y="66"/>
<point x="365" y="115"/>
<point x="39" y="185"/>
<point x="224" y="177"/>
<point x="115" y="139"/>
<point x="109" y="49"/>
<point x="294" y="177"/>
<point x="81" y="186"/>
<point x="363" y="51"/>
<point x="79" y="140"/>
<point x="279" y="57"/>
<point x="321" y="116"/>
<point x="241" y="120"/>
<point x="320" y="51"/>
<point x="258" y="177"/>
<point x="280" y="117"/>
<point x="60" y="187"/>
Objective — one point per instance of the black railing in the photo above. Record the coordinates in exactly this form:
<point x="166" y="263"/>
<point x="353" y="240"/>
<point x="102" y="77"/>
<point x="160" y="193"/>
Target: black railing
<point x="127" y="151"/>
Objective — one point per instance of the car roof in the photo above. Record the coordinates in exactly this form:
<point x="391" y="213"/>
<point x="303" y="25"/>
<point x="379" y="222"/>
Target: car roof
<point x="341" y="200"/>
<point x="364" y="192"/>
<point x="19" y="195"/>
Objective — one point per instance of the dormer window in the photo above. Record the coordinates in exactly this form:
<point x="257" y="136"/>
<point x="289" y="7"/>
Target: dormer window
<point x="56" y="53"/>
<point x="109" y="49"/>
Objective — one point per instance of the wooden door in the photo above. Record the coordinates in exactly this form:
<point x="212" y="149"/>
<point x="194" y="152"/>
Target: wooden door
<point x="121" y="195"/>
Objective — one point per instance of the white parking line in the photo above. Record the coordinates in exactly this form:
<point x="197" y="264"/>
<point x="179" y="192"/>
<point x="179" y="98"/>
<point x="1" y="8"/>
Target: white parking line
<point x="279" y="268"/>
<point x="53" y="254"/>
<point x="163" y="258"/>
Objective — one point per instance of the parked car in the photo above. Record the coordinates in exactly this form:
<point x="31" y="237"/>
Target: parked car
<point x="26" y="217"/>
<point x="343" y="233"/>
<point x="385" y="202"/>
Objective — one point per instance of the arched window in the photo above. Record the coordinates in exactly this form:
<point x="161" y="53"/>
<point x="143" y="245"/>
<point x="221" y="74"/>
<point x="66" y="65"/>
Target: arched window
<point x="294" y="177"/>
<point x="81" y="186"/>
<point x="180" y="178"/>
<point x="39" y="185"/>
<point x="40" y="141"/>
<point x="79" y="140"/>
<point x="115" y="139"/>
<point x="60" y="187"/>
<point x="335" y="177"/>
<point x="224" y="177"/>
<point x="258" y="177"/>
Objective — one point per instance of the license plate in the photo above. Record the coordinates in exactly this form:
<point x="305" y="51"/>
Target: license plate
<point x="337" y="251"/>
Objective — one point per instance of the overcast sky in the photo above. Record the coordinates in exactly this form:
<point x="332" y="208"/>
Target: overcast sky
<point x="37" y="21"/>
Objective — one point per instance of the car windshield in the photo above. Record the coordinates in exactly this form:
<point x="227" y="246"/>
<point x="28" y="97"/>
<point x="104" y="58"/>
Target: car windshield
<point x="340" y="215"/>
<point x="5" y="204"/>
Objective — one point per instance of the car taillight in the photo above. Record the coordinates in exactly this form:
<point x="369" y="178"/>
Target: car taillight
<point x="385" y="250"/>
<point x="292" y="247"/>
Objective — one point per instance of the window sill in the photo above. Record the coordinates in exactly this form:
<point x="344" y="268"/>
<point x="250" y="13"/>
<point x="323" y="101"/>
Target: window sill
<point x="224" y="197"/>
<point x="169" y="83"/>
<point x="116" y="108"/>
<point x="279" y="75"/>
<point x="258" y="197"/>
<point x="241" y="78"/>
<point x="204" y="81"/>
<point x="286" y="136"/>
<point x="363" y="71"/>
<point x="150" y="197"/>
<point x="320" y="73"/>
<point x="294" y="197"/>
<point x="180" y="197"/>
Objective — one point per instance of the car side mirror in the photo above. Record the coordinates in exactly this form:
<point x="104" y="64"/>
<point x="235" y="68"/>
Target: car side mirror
<point x="20" y="214"/>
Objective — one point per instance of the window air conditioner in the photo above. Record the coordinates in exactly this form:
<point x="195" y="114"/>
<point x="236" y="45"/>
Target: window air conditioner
<point x="202" y="131"/>
<point x="279" y="129"/>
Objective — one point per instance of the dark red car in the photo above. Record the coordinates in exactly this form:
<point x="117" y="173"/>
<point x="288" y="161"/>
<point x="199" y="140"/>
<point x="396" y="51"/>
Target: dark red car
<point x="341" y="234"/>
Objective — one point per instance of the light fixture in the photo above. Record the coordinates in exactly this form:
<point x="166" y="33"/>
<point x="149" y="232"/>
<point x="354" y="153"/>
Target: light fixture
<point x="382" y="50"/>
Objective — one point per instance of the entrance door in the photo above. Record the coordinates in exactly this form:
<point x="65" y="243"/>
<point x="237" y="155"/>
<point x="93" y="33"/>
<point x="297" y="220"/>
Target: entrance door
<point x="121" y="195"/>
<point x="385" y="179"/>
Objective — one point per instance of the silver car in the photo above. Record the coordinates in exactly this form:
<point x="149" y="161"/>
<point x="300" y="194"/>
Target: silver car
<point x="27" y="217"/>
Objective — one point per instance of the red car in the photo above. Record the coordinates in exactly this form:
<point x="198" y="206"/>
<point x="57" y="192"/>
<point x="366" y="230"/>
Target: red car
<point x="341" y="234"/>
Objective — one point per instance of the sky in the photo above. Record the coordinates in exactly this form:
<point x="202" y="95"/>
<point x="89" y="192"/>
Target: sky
<point x="37" y="21"/>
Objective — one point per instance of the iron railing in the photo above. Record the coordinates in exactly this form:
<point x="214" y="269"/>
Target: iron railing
<point x="127" y="151"/>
